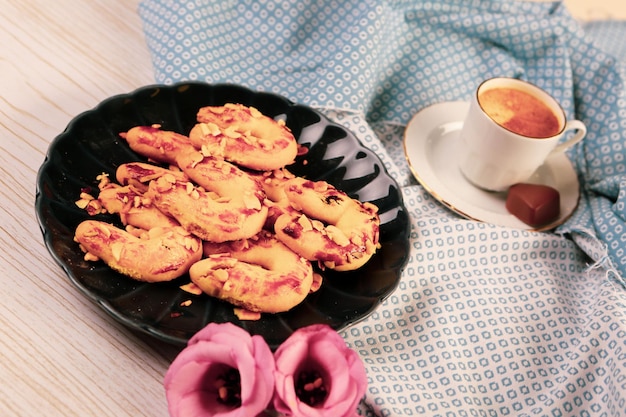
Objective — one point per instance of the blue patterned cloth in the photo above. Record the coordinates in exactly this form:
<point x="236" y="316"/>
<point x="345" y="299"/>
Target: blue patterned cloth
<point x="487" y="320"/>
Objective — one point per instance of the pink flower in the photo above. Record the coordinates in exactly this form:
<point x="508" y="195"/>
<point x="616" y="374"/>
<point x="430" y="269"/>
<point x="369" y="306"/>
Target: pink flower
<point x="317" y="375"/>
<point x="223" y="372"/>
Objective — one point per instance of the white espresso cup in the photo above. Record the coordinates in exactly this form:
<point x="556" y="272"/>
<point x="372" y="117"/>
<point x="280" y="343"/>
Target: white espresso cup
<point x="511" y="128"/>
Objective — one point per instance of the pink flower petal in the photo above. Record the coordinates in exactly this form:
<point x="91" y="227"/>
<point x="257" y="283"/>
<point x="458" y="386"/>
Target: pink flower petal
<point x="224" y="333"/>
<point x="191" y="378"/>
<point x="319" y="348"/>
<point x="289" y="357"/>
<point x="287" y="400"/>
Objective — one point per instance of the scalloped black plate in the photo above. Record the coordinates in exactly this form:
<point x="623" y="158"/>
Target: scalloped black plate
<point x="91" y="145"/>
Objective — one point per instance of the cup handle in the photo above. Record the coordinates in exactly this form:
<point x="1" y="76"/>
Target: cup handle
<point x="578" y="136"/>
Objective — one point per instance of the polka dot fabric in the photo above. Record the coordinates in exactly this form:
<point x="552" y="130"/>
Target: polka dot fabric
<point x="486" y="320"/>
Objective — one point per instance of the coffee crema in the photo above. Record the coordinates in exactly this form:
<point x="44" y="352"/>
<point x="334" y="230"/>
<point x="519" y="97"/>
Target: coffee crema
<point x="520" y="112"/>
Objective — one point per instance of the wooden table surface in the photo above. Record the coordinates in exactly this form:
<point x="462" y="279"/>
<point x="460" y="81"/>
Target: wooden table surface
<point x="597" y="9"/>
<point x="61" y="355"/>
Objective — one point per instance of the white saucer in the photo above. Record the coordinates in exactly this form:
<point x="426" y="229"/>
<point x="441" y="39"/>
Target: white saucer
<point x="432" y="145"/>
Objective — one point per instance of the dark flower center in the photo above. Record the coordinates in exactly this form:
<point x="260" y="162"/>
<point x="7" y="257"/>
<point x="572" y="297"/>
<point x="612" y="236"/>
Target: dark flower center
<point x="228" y="386"/>
<point x="310" y="388"/>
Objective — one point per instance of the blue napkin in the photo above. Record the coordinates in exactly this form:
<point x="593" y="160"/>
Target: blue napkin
<point x="486" y="320"/>
<point x="608" y="35"/>
<point x="389" y="59"/>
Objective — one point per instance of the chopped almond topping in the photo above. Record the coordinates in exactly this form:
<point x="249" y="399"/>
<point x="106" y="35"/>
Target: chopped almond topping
<point x="337" y="236"/>
<point x="221" y="275"/>
<point x="197" y="158"/>
<point x="137" y="232"/>
<point x="357" y="255"/>
<point x="212" y="129"/>
<point x="305" y="223"/>
<point x="191" y="288"/>
<point x="231" y="132"/>
<point x="91" y="233"/>
<point x="205" y="151"/>
<point x="105" y="231"/>
<point x="191" y="243"/>
<point x="169" y="178"/>
<point x="116" y="250"/>
<point x="251" y="202"/>
<point x="103" y="180"/>
<point x="265" y="143"/>
<point x="225" y="168"/>
<point x="86" y="196"/>
<point x="250" y="140"/>
<point x="243" y="314"/>
<point x="81" y="204"/>
<point x="90" y="257"/>
<point x="217" y="109"/>
<point x="317" y="225"/>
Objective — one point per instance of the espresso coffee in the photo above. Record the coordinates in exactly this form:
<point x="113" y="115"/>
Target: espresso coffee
<point x="520" y="112"/>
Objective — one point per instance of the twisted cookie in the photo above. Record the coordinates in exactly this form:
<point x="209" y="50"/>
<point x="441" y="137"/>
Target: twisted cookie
<point x="243" y="135"/>
<point x="226" y="180"/>
<point x="204" y="214"/>
<point x="156" y="144"/>
<point x="166" y="254"/>
<point x="139" y="174"/>
<point x="259" y="274"/>
<point x="332" y="228"/>
<point x="133" y="208"/>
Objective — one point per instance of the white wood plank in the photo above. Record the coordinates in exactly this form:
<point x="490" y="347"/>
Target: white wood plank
<point x="60" y="353"/>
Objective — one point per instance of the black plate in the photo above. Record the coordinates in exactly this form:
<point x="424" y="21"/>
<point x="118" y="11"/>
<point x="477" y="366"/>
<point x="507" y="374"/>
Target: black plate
<point x="91" y="145"/>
